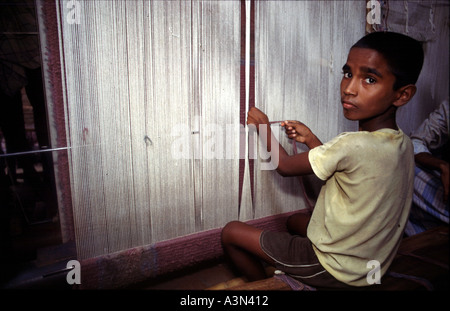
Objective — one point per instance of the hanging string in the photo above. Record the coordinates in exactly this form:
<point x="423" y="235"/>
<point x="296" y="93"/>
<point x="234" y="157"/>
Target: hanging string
<point x="247" y="178"/>
<point x="4" y="155"/>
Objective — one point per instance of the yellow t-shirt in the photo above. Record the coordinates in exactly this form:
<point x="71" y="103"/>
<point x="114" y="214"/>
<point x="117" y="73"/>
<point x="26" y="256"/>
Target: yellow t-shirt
<point x="362" y="210"/>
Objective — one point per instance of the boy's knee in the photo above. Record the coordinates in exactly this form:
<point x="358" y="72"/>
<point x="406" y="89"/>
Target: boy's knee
<point x="291" y="220"/>
<point x="229" y="230"/>
<point x="298" y="223"/>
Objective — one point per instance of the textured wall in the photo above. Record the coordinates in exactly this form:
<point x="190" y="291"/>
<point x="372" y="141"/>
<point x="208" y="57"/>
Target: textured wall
<point x="428" y="22"/>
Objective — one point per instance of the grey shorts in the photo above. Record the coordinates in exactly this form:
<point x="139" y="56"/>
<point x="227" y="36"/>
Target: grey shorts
<point x="295" y="256"/>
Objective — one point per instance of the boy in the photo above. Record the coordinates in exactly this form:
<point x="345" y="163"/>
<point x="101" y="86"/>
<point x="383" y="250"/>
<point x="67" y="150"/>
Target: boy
<point x="361" y="211"/>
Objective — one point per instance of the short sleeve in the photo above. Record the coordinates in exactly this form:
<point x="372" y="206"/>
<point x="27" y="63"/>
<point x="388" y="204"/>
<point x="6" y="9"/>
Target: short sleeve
<point x="332" y="156"/>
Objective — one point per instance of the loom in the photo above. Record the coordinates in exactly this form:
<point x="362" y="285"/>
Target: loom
<point x="123" y="72"/>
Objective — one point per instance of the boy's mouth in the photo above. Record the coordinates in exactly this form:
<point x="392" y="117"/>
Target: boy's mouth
<point x="348" y="105"/>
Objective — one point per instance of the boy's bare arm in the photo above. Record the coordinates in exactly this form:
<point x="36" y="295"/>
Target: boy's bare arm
<point x="295" y="165"/>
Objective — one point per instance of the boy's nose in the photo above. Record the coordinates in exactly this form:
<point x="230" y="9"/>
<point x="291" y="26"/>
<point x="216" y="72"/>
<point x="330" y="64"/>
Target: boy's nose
<point x="349" y="87"/>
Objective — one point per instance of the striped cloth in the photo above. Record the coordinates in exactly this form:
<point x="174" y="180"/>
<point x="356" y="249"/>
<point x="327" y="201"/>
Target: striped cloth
<point x="428" y="209"/>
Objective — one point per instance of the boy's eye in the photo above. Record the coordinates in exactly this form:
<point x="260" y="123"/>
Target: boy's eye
<point x="347" y="75"/>
<point x="370" y="80"/>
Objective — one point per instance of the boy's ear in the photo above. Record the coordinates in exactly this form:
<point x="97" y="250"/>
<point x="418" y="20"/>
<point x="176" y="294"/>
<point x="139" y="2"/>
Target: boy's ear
<point x="405" y="93"/>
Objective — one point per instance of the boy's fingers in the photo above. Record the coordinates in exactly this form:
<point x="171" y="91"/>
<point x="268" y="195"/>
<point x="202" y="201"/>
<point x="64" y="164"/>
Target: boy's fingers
<point x="293" y="121"/>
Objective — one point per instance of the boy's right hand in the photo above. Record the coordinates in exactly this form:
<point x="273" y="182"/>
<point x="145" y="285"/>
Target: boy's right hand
<point x="301" y="133"/>
<point x="257" y="117"/>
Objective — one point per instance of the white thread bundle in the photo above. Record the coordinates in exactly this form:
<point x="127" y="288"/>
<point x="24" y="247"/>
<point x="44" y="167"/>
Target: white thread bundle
<point x="135" y="69"/>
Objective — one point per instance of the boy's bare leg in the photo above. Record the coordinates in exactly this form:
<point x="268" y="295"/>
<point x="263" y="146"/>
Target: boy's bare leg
<point x="298" y="223"/>
<point x="241" y="244"/>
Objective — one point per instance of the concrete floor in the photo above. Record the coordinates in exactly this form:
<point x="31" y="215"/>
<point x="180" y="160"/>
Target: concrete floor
<point x="216" y="275"/>
<point x="198" y="278"/>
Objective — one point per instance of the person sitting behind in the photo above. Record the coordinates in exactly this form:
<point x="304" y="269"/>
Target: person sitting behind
<point x="431" y="183"/>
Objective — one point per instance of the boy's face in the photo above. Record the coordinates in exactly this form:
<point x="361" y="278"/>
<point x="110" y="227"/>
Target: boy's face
<point x="367" y="85"/>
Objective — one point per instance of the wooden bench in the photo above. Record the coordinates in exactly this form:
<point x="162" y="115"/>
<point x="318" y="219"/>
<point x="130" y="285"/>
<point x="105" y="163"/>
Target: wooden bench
<point x="424" y="256"/>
